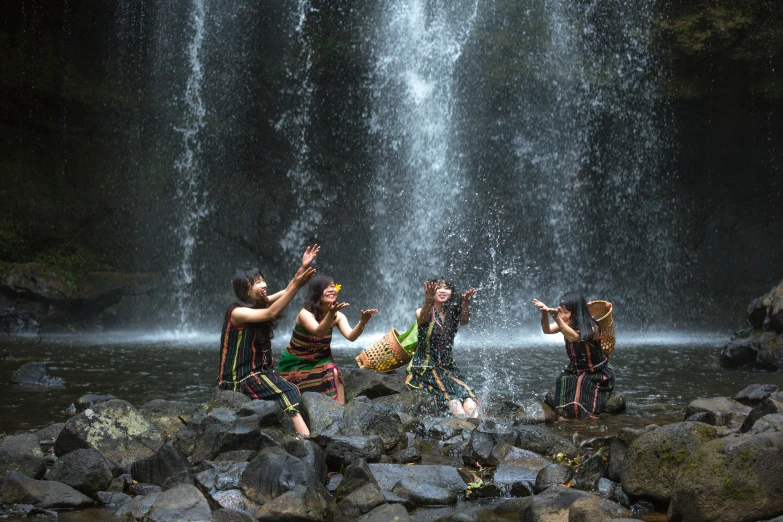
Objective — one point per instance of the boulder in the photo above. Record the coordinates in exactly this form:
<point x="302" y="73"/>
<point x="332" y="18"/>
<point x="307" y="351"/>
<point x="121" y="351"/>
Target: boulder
<point x="85" y="470"/>
<point x="612" y="491"/>
<point x="618" y="447"/>
<point x="534" y="412"/>
<point x="183" y="503"/>
<point x="762" y="351"/>
<point x="717" y="411"/>
<point x="449" y="427"/>
<point x="372" y="384"/>
<point x="219" y="482"/>
<point x="558" y="503"/>
<point x="23" y="453"/>
<point x="356" y="476"/>
<point x="138" y="508"/>
<point x="341" y="451"/>
<point x="222" y="430"/>
<point x="410" y="402"/>
<point x="361" y="500"/>
<point x="755" y="393"/>
<point x="323" y="415"/>
<point x="311" y="454"/>
<point x="424" y="493"/>
<point x="447" y="477"/>
<point x="518" y="471"/>
<point x="374" y="418"/>
<point x="168" y="416"/>
<point x="226" y="399"/>
<point x="772" y="422"/>
<point x="275" y="472"/>
<point x="549" y="475"/>
<point x="615" y="403"/>
<point x="34" y="374"/>
<point x="269" y="413"/>
<point x="112" y="499"/>
<point x="769" y="406"/>
<point x="91" y="399"/>
<point x="115" y="428"/>
<point x="168" y="467"/>
<point x="653" y="460"/>
<point x="21" y="489"/>
<point x="386" y="513"/>
<point x="298" y="505"/>
<point x="739" y="477"/>
<point x="488" y="448"/>
<point x="538" y="440"/>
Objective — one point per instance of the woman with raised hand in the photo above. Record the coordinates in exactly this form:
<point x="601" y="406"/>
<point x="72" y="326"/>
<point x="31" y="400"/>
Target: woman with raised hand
<point x="582" y="388"/>
<point x="307" y="360"/>
<point x="432" y="367"/>
<point x="246" y="361"/>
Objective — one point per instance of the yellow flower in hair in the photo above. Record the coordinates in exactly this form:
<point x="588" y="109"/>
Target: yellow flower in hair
<point x="337" y="288"/>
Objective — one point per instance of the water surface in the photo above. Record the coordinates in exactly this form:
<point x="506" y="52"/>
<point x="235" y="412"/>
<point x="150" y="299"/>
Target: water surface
<point x="659" y="375"/>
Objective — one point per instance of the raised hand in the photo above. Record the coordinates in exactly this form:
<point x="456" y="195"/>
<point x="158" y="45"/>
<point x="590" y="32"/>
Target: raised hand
<point x="367" y="315"/>
<point x="309" y="255"/>
<point x="541" y="306"/>
<point x="430" y="287"/>
<point x="467" y="296"/>
<point x="302" y="276"/>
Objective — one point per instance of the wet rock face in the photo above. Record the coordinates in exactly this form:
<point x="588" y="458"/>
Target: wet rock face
<point x="20" y="489"/>
<point x="733" y="478"/>
<point x="85" y="470"/>
<point x="115" y="428"/>
<point x="653" y="460"/>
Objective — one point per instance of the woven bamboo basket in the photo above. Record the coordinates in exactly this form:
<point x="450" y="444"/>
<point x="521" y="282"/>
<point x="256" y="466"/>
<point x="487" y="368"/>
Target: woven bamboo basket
<point x="602" y="313"/>
<point x="385" y="355"/>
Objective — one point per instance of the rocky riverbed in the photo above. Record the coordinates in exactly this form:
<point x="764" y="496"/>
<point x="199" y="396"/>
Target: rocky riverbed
<point x="388" y="455"/>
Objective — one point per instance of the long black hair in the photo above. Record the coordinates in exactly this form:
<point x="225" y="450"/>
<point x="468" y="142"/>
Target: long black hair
<point x="244" y="279"/>
<point x="581" y="319"/>
<point x="452" y="308"/>
<point x="315" y="291"/>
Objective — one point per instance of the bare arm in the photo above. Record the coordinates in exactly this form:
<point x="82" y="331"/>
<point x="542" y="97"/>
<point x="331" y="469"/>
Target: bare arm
<point x="546" y="326"/>
<point x="424" y="314"/>
<point x="307" y="320"/>
<point x="569" y="333"/>
<point x="242" y="315"/>
<point x="353" y="333"/>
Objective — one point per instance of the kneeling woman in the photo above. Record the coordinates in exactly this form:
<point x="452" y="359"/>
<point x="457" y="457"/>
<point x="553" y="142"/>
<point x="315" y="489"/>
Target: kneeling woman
<point x="246" y="362"/>
<point x="307" y="360"/>
<point x="582" y="389"/>
<point x="432" y="367"/>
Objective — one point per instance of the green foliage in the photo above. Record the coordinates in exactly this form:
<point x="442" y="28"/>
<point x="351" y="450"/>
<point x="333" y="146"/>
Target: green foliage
<point x="73" y="261"/>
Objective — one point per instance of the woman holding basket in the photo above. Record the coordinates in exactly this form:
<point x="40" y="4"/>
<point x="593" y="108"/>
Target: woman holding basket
<point x="307" y="360"/>
<point x="432" y="367"/>
<point x="583" y="387"/>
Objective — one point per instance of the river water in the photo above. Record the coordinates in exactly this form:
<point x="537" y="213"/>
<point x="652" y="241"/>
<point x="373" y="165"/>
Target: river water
<point x="658" y="374"/>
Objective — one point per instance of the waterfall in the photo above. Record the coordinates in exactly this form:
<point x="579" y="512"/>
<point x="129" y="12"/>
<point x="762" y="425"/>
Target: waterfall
<point x="294" y="124"/>
<point x="190" y="192"/>
<point x="419" y="181"/>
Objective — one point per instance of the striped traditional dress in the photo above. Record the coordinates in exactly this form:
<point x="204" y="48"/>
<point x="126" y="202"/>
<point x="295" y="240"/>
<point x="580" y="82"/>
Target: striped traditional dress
<point x="247" y="366"/>
<point x="432" y="367"/>
<point x="582" y="389"/>
<point x="308" y="363"/>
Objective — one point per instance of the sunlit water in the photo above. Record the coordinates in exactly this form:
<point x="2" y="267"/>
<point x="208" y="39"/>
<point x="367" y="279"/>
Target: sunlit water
<point x="658" y="374"/>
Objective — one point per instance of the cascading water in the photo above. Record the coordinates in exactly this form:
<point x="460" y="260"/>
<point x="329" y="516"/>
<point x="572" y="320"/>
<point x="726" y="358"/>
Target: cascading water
<point x="419" y="179"/>
<point x="295" y="126"/>
<point x="191" y="194"/>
